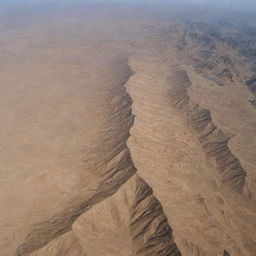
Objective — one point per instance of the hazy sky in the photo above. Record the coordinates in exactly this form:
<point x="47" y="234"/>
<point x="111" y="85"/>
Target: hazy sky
<point x="230" y="5"/>
<point x="240" y="3"/>
<point x="233" y="4"/>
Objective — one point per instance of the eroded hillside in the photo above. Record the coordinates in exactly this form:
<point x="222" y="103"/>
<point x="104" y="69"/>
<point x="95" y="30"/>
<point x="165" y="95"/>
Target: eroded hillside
<point x="126" y="133"/>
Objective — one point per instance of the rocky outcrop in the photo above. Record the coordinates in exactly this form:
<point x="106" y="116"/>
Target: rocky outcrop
<point x="121" y="169"/>
<point x="157" y="133"/>
<point x="131" y="222"/>
<point x="202" y="173"/>
<point x="148" y="220"/>
<point x="213" y="140"/>
<point x="215" y="144"/>
<point x="251" y="84"/>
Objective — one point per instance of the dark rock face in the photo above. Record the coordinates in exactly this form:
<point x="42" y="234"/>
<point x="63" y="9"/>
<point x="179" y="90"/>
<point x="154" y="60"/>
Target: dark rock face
<point x="253" y="103"/>
<point x="226" y="73"/>
<point x="226" y="253"/>
<point x="145" y="211"/>
<point x="251" y="81"/>
<point x="251" y="85"/>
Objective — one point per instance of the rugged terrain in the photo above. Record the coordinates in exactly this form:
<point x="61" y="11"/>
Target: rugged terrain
<point x="126" y="132"/>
